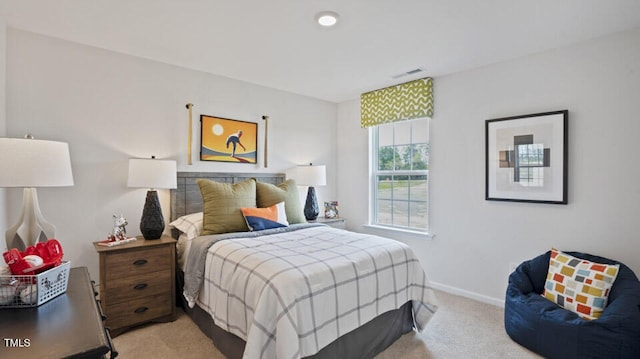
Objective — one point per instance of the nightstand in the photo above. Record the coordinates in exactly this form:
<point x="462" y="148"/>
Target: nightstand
<point x="137" y="282"/>
<point x="333" y="222"/>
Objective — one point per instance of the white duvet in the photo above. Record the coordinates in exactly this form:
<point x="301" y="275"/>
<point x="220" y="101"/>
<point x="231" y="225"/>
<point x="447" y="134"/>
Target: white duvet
<point x="290" y="293"/>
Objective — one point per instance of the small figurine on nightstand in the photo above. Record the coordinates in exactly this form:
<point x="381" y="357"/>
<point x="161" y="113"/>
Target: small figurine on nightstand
<point x="119" y="233"/>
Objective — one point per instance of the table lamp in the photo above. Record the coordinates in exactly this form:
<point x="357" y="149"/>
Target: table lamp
<point x="153" y="174"/>
<point x="311" y="176"/>
<point x="30" y="163"/>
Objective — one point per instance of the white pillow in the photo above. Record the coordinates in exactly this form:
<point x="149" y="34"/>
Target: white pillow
<point x="191" y="225"/>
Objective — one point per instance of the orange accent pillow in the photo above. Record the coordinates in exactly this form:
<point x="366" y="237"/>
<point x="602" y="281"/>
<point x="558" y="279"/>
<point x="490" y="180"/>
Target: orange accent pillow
<point x="265" y="218"/>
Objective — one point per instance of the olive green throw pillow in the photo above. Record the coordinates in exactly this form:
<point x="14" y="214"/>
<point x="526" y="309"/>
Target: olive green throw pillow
<point x="287" y="192"/>
<point x="221" y="203"/>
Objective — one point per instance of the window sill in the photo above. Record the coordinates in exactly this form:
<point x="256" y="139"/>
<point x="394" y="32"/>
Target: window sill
<point x="399" y="232"/>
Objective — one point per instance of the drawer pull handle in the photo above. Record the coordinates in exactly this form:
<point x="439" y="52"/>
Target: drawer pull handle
<point x="140" y="286"/>
<point x="140" y="262"/>
<point x="102" y="316"/>
<point x="141" y="310"/>
<point x="93" y="286"/>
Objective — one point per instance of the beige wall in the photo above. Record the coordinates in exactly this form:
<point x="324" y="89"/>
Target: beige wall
<point x="476" y="240"/>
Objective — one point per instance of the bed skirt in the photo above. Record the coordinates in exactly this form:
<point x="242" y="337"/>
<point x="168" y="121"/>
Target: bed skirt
<point x="366" y="341"/>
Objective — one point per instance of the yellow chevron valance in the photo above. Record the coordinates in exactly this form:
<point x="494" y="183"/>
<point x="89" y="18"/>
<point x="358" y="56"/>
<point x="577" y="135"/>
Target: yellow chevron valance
<point x="406" y="101"/>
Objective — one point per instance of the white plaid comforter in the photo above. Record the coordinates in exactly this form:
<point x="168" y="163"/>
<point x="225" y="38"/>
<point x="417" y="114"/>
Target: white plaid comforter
<point x="290" y="294"/>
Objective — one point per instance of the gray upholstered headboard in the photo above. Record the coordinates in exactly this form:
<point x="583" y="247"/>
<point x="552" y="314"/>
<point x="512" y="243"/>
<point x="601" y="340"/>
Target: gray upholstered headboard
<point x="186" y="198"/>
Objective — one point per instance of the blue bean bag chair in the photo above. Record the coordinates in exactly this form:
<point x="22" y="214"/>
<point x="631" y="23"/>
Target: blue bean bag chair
<point x="554" y="332"/>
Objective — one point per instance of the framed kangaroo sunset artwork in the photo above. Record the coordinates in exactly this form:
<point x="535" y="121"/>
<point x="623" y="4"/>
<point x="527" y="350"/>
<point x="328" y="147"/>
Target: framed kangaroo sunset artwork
<point x="227" y="140"/>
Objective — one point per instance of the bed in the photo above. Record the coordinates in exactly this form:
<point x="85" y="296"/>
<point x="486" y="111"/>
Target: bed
<point x="300" y="290"/>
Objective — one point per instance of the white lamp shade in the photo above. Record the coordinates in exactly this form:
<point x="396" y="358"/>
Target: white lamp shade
<point x="34" y="163"/>
<point x="311" y="175"/>
<point x="152" y="173"/>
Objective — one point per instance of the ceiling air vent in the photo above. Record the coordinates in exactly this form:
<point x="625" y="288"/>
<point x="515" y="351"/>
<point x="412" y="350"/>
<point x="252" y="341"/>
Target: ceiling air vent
<point x="407" y="73"/>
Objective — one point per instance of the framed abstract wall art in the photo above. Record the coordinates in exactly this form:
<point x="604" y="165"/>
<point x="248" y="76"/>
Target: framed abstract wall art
<point x="526" y="158"/>
<point x="227" y="140"/>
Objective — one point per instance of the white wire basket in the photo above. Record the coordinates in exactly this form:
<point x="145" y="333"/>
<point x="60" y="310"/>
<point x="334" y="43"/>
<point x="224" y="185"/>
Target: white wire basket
<point x="24" y="291"/>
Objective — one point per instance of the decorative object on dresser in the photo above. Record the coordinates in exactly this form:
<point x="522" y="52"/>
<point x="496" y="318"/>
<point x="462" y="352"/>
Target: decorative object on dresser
<point x="30" y="163"/>
<point x="227" y="140"/>
<point x="331" y="209"/>
<point x="526" y="158"/>
<point x="69" y="326"/>
<point x="118" y="235"/>
<point x="119" y="227"/>
<point x="153" y="174"/>
<point x="137" y="282"/>
<point x="311" y="176"/>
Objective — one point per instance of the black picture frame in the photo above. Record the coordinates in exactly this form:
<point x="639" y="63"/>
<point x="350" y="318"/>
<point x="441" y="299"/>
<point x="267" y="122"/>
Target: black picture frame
<point x="526" y="158"/>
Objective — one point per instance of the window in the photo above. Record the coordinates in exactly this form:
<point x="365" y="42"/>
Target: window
<point x="401" y="174"/>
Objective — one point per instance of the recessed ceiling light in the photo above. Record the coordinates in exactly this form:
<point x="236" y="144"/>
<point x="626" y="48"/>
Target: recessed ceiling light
<point x="327" y="18"/>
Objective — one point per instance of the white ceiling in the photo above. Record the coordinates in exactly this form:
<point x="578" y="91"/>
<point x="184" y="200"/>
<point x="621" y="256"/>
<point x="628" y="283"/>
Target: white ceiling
<point x="276" y="43"/>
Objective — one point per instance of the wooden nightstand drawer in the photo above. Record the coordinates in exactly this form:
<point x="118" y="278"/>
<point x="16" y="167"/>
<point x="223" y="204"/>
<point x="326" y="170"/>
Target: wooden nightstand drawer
<point x="139" y="261"/>
<point x="137" y="282"/>
<point x="149" y="284"/>
<point x="138" y="311"/>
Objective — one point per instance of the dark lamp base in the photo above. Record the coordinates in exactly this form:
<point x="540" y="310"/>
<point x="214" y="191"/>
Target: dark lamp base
<point x="311" y="205"/>
<point x="152" y="222"/>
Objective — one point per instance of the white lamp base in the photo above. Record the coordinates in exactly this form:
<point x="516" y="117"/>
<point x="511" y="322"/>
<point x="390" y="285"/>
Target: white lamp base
<point x="31" y="227"/>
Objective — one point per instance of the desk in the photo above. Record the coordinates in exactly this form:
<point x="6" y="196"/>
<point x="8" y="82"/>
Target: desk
<point x="68" y="326"/>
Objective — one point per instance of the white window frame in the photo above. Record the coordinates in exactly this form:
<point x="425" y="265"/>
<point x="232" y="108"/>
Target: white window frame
<point x="373" y="192"/>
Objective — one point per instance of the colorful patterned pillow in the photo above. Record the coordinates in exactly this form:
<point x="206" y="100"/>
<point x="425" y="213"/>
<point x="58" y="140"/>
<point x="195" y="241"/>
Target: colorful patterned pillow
<point x="579" y="285"/>
<point x="265" y="218"/>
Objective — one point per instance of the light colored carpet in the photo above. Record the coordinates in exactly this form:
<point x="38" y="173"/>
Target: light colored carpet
<point x="462" y="328"/>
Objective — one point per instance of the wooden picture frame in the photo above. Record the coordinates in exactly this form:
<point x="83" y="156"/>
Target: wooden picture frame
<point x="228" y="140"/>
<point x="526" y="158"/>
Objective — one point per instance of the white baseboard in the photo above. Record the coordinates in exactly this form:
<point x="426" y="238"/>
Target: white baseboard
<point x="468" y="294"/>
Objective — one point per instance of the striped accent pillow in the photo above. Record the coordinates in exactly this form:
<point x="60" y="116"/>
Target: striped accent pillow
<point x="265" y="218"/>
<point x="579" y="285"/>
<point x="191" y="224"/>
